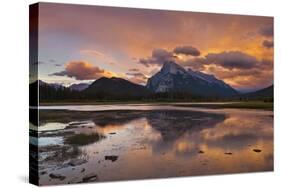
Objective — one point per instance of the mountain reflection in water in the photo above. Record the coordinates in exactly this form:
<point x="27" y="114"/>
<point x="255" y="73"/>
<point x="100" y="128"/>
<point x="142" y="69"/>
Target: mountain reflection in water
<point x="155" y="144"/>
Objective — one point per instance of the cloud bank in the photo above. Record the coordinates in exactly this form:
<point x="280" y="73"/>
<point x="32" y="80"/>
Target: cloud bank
<point x="267" y="31"/>
<point x="268" y="44"/>
<point x="82" y="70"/>
<point x="159" y="56"/>
<point x="187" y="50"/>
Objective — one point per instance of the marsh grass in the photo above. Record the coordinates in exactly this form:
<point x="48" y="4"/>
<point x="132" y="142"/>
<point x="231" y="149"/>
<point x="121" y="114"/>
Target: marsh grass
<point x="84" y="139"/>
<point x="239" y="105"/>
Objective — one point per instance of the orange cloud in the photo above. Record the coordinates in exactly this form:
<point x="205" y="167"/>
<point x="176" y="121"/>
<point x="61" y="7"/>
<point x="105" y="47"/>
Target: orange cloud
<point x="82" y="70"/>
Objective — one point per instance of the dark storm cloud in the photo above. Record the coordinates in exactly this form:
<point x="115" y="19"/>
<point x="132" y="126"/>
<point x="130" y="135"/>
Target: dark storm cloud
<point x="61" y="73"/>
<point x="232" y="59"/>
<point x="268" y="44"/>
<point x="44" y="62"/>
<point x="158" y="57"/>
<point x="229" y="60"/>
<point x="267" y="31"/>
<point x="187" y="50"/>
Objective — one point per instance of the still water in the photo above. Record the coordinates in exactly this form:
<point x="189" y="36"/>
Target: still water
<point x="123" y="142"/>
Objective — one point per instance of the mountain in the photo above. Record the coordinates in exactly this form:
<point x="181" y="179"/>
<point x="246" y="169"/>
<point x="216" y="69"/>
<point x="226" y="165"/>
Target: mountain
<point x="33" y="93"/>
<point x="173" y="78"/>
<point x="115" y="88"/>
<point x="50" y="92"/>
<point x="265" y="94"/>
<point x="79" y="87"/>
<point x="53" y="85"/>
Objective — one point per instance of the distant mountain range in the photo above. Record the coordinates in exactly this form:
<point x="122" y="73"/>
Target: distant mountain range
<point x="171" y="82"/>
<point x="266" y="93"/>
<point x="51" y="92"/>
<point x="53" y="85"/>
<point x="79" y="87"/>
<point x="115" y="88"/>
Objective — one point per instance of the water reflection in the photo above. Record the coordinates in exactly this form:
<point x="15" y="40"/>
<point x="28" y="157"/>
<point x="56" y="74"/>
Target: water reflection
<point x="160" y="143"/>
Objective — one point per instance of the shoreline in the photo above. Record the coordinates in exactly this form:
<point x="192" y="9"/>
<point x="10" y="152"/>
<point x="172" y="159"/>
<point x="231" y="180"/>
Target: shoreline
<point x="212" y="105"/>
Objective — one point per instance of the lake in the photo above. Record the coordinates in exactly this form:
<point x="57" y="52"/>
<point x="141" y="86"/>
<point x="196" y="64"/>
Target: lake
<point x="92" y="143"/>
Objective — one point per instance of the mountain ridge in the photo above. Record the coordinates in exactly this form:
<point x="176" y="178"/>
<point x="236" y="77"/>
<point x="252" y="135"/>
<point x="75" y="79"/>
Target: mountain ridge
<point x="115" y="88"/>
<point x="264" y="93"/>
<point x="172" y="83"/>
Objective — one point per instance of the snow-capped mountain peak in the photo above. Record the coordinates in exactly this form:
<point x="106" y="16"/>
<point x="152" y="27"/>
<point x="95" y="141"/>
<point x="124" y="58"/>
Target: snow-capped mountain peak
<point x="211" y="79"/>
<point x="171" y="67"/>
<point x="79" y="87"/>
<point x="174" y="78"/>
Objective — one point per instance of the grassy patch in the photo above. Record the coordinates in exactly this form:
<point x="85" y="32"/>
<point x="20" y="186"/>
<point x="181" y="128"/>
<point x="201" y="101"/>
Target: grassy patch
<point x="84" y="139"/>
<point x="241" y="105"/>
<point x="251" y="105"/>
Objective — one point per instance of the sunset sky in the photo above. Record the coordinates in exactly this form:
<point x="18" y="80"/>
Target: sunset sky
<point x="82" y="43"/>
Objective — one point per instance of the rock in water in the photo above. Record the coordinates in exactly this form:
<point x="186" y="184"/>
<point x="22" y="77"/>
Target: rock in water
<point x="90" y="177"/>
<point x="228" y="153"/>
<point x="257" y="150"/>
<point x="77" y="162"/>
<point x="111" y="158"/>
<point x="57" y="176"/>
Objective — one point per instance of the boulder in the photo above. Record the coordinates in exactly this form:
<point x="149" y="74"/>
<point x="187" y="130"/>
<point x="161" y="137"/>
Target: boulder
<point x="111" y="158"/>
<point x="77" y="162"/>
<point x="57" y="176"/>
<point x="90" y="177"/>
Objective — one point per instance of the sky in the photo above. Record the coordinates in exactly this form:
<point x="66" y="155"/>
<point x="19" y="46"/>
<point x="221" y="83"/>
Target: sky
<point x="79" y="43"/>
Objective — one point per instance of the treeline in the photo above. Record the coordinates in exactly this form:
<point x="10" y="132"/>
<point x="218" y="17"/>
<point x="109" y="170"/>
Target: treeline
<point x="61" y="93"/>
<point x="254" y="98"/>
<point x="49" y="93"/>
